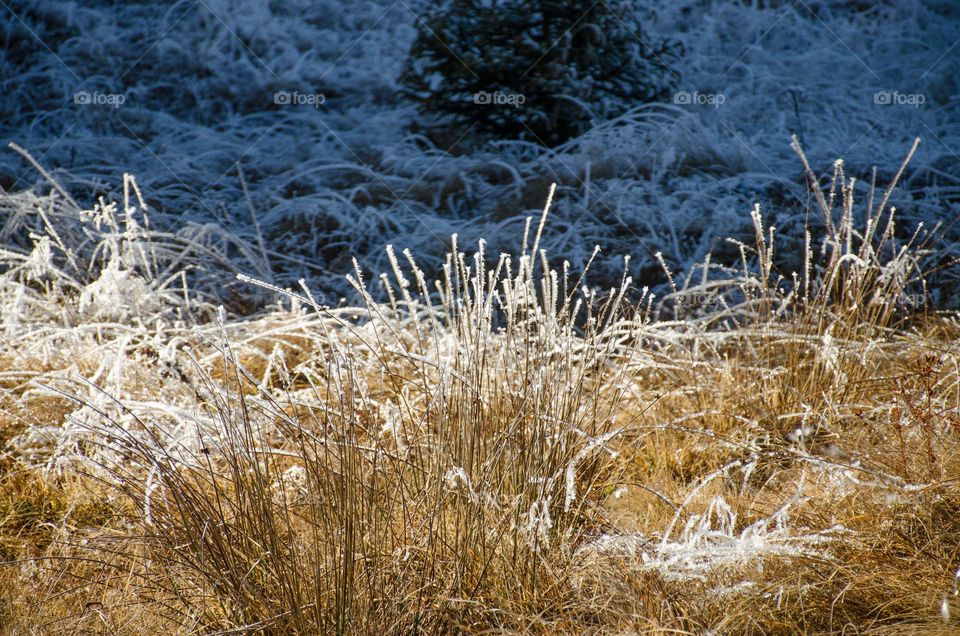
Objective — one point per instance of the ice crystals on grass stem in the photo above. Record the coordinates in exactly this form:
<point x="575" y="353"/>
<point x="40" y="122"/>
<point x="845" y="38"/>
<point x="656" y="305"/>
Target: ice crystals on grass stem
<point x="537" y="524"/>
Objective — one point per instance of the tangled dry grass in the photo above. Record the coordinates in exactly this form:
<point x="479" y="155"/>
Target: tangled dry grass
<point x="508" y="450"/>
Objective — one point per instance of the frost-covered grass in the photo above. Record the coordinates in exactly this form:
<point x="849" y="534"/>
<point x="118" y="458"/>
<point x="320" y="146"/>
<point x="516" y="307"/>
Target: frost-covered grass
<point x="341" y="181"/>
<point x="757" y="434"/>
<point x="508" y="449"/>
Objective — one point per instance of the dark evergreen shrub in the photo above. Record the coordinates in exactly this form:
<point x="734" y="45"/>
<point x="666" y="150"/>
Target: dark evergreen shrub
<point x="542" y="70"/>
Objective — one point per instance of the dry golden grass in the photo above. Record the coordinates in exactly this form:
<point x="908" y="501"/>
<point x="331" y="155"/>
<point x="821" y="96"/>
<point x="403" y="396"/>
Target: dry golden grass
<point x="508" y="453"/>
<point x="81" y="560"/>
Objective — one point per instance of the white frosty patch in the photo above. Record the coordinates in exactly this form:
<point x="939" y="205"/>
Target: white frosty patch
<point x="709" y="545"/>
<point x="118" y="295"/>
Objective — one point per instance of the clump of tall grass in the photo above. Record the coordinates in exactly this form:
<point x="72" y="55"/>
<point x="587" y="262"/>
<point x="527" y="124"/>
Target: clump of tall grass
<point x="858" y="284"/>
<point x="852" y="276"/>
<point x="441" y="450"/>
<point x="66" y="264"/>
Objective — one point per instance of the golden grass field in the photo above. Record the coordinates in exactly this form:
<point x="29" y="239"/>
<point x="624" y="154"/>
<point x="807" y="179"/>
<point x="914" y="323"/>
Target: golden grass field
<point x="508" y="451"/>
